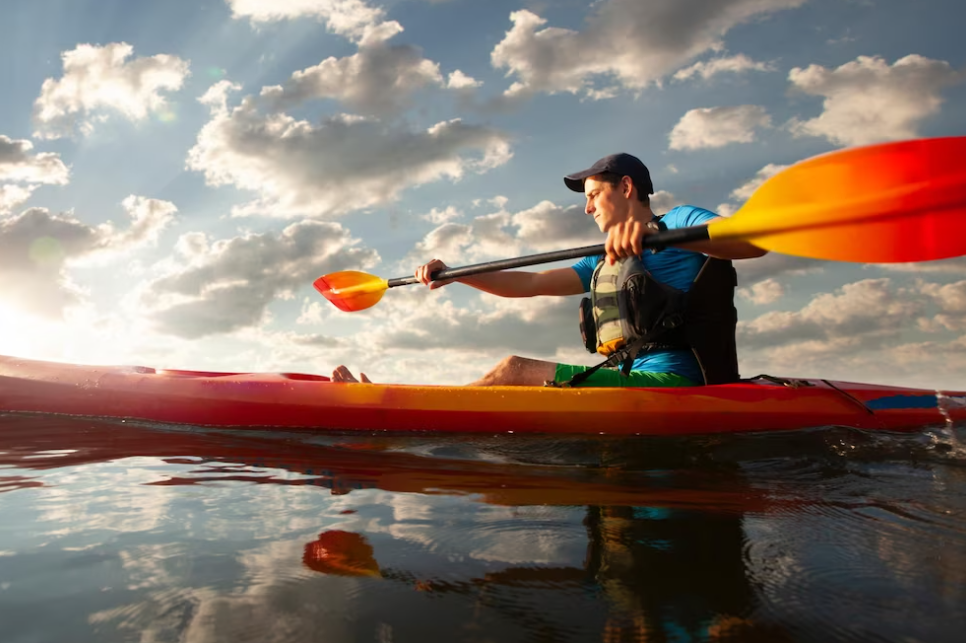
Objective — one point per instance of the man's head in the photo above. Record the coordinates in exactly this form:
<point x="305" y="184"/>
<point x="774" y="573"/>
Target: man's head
<point x="615" y="187"/>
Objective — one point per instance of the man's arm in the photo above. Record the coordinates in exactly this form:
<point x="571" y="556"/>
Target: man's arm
<point x="558" y="282"/>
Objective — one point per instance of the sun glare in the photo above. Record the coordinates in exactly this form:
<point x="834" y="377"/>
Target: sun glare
<point x="27" y="335"/>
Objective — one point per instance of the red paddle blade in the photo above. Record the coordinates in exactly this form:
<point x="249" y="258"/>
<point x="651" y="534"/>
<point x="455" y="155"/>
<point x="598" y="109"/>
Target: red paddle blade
<point x="893" y="202"/>
<point x="351" y="290"/>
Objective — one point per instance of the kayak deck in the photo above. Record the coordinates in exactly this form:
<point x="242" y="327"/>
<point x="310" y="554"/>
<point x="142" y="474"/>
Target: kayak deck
<point x="302" y="401"/>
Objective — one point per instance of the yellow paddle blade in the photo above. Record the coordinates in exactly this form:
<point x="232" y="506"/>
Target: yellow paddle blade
<point x="886" y="203"/>
<point x="351" y="290"/>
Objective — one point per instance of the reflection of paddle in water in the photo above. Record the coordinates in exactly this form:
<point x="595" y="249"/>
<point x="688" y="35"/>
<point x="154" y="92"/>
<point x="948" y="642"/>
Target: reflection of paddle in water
<point x="343" y="553"/>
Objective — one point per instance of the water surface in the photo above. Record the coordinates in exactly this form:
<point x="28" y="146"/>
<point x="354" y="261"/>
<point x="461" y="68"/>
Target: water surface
<point x="113" y="531"/>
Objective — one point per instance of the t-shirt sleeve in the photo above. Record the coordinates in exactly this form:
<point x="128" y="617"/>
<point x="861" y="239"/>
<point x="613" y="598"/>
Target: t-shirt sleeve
<point x="685" y="216"/>
<point x="585" y="269"/>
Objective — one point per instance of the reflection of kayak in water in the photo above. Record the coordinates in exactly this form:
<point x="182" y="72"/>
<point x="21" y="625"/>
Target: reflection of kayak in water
<point x="312" y="402"/>
<point x="354" y="463"/>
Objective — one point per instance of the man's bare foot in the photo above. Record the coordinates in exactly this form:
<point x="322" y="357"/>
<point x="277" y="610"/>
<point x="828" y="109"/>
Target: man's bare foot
<point x="342" y="374"/>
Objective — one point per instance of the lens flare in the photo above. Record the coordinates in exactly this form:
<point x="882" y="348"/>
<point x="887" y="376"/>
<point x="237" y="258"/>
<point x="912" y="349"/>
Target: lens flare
<point x="46" y="251"/>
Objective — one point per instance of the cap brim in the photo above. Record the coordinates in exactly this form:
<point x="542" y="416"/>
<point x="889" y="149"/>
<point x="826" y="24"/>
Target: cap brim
<point x="576" y="181"/>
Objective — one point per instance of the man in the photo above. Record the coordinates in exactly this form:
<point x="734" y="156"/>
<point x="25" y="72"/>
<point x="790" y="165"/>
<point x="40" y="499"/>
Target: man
<point x="617" y="188"/>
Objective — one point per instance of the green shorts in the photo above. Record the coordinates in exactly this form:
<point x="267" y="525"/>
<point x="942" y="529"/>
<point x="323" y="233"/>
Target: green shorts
<point x="613" y="377"/>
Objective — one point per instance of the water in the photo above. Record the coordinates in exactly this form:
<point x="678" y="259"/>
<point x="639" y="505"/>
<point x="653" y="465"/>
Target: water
<point x="112" y="531"/>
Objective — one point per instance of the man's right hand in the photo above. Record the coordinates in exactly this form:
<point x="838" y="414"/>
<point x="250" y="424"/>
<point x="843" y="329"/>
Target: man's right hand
<point x="423" y="274"/>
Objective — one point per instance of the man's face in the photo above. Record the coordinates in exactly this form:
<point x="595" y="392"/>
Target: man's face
<point x="606" y="202"/>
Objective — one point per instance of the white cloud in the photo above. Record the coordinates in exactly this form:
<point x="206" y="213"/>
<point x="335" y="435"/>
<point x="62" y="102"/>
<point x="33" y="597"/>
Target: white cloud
<point x="13" y="196"/>
<point x="18" y="165"/>
<point x="710" y="127"/>
<point x="864" y="311"/>
<point x="459" y="80"/>
<point x="626" y="43"/>
<point x="868" y="101"/>
<point x="662" y="201"/>
<point x="764" y="292"/>
<point x="37" y="247"/>
<point x="377" y="80"/>
<point x="715" y="66"/>
<point x="744" y="192"/>
<point x="857" y="334"/>
<point x="98" y="81"/>
<point x="227" y="285"/>
<point x="446" y="215"/>
<point x="951" y="298"/>
<point x="345" y="163"/>
<point x="353" y="19"/>
<point x="500" y="235"/>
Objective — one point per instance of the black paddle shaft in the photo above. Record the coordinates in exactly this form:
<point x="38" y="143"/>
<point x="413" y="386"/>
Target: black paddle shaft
<point x="665" y="238"/>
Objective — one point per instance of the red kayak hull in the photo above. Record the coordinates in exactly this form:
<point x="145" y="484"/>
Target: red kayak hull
<point x="312" y="402"/>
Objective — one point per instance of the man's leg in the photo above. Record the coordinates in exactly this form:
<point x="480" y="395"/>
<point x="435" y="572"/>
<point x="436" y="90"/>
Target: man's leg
<point x="518" y="371"/>
<point x="512" y="371"/>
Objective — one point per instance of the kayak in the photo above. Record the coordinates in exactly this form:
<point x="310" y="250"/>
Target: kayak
<point x="312" y="402"/>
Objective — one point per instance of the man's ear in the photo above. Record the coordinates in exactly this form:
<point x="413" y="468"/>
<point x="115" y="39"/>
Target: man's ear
<point x="627" y="186"/>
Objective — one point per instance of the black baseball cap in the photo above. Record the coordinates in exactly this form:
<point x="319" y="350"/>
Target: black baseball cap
<point x="622" y="164"/>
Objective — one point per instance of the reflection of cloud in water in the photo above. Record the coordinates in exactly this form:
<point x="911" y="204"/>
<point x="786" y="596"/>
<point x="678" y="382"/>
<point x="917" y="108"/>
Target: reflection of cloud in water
<point x="255" y="594"/>
<point x="87" y="499"/>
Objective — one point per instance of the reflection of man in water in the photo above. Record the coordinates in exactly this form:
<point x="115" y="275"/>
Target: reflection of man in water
<point x="670" y="575"/>
<point x="664" y="575"/>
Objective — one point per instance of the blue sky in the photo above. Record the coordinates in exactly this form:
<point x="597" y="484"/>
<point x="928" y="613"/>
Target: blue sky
<point x="174" y="175"/>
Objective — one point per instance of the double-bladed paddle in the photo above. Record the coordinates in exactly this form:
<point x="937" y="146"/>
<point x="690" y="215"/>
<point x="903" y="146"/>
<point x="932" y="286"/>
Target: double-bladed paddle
<point x="886" y="203"/>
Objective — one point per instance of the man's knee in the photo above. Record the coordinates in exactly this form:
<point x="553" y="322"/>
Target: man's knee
<point x="512" y="363"/>
<point x="505" y="371"/>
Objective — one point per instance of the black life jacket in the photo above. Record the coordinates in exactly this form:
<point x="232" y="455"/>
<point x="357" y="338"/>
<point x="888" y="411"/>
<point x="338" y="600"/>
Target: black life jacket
<point x="631" y="313"/>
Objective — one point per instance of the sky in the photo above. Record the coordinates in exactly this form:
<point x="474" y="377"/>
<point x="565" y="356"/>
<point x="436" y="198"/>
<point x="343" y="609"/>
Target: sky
<point x="174" y="175"/>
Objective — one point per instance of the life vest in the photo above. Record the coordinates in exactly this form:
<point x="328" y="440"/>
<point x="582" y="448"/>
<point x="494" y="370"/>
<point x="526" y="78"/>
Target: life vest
<point x="630" y="313"/>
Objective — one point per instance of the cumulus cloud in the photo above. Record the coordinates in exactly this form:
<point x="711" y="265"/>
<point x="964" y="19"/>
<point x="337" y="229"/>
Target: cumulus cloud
<point x="626" y="44"/>
<point x="459" y="80"/>
<point x="226" y="285"/>
<point x="730" y="64"/>
<point x="345" y="163"/>
<point x="13" y="196"/>
<point x="37" y="248"/>
<point x="437" y="216"/>
<point x="490" y="325"/>
<point x="868" y="101"/>
<point x="99" y="81"/>
<point x="18" y="165"/>
<point x="746" y="190"/>
<point x="377" y="80"/>
<point x="863" y="311"/>
<point x="709" y="127"/>
<point x="353" y="19"/>
<point x="542" y="228"/>
<point x="764" y="292"/>
<point x="857" y="333"/>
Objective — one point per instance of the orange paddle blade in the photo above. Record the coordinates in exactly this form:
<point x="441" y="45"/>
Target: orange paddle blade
<point x="343" y="553"/>
<point x="893" y="202"/>
<point x="351" y="290"/>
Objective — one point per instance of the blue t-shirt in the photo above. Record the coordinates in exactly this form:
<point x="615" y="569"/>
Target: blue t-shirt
<point x="675" y="267"/>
